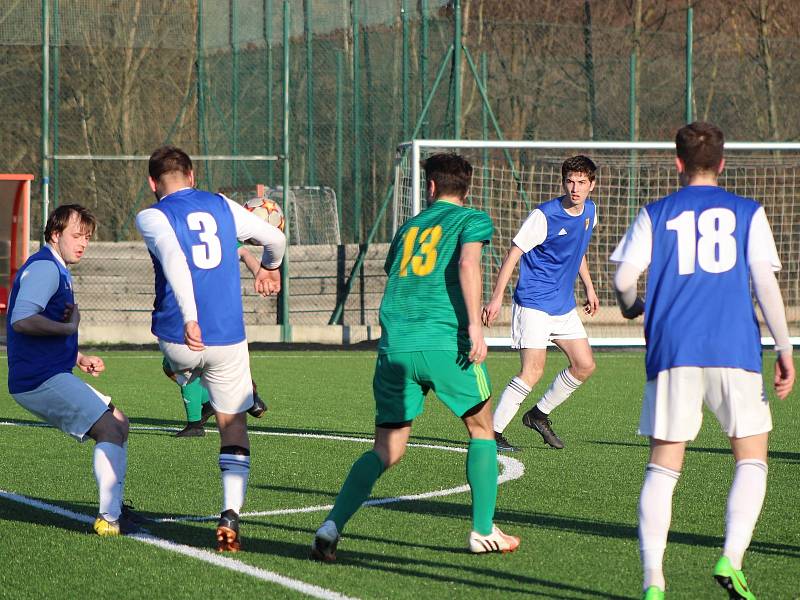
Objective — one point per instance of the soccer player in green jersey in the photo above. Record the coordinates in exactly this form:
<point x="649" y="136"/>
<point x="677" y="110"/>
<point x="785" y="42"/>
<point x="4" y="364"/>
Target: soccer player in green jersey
<point x="431" y="339"/>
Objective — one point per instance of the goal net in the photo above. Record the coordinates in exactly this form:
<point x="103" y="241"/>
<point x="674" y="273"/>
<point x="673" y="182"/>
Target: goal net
<point x="511" y="178"/>
<point x="313" y="213"/>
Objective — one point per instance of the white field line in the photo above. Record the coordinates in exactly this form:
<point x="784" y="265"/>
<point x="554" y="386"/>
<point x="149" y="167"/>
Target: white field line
<point x="512" y="469"/>
<point x="190" y="551"/>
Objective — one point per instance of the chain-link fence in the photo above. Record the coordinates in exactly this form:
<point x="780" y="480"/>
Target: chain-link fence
<point x="124" y="77"/>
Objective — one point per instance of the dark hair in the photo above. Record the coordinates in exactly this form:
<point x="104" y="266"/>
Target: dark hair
<point x="578" y="164"/>
<point x="699" y="146"/>
<point x="60" y="218"/>
<point x="168" y="159"/>
<point x="450" y="172"/>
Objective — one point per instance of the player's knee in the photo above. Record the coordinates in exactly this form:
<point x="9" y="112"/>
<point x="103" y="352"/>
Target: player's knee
<point x="531" y="375"/>
<point x="584" y="370"/>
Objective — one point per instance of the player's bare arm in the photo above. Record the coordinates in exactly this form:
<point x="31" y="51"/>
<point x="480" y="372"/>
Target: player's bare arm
<point x="592" y="301"/>
<point x="469" y="275"/>
<point x="491" y="310"/>
<point x="93" y="365"/>
<point x="250" y="261"/>
<point x="40" y="325"/>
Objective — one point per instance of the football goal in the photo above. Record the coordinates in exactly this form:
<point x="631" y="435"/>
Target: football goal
<point x="511" y="178"/>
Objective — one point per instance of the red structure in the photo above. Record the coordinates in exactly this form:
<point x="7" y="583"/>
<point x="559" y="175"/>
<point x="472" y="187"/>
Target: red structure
<point x="15" y="203"/>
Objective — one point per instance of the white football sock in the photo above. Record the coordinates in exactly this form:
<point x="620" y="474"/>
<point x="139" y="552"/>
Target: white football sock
<point x="655" y="514"/>
<point x="744" y="506"/>
<point x="562" y="387"/>
<point x="512" y="398"/>
<point x="109" y="463"/>
<point x="235" y="470"/>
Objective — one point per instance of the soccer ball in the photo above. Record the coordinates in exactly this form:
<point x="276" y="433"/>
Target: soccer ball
<point x="267" y="209"/>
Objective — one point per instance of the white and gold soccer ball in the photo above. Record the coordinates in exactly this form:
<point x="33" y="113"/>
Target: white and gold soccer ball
<point x="267" y="209"/>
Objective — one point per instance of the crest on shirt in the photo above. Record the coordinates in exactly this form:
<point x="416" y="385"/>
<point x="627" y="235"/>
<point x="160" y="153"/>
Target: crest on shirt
<point x="586" y="224"/>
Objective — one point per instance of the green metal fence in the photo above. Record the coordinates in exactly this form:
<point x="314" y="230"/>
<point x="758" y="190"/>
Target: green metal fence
<point x="330" y="87"/>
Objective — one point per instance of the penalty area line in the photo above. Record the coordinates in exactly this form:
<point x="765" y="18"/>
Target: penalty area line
<point x="197" y="553"/>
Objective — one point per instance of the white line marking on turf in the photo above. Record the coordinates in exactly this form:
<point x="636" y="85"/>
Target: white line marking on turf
<point x="512" y="469"/>
<point x="190" y="551"/>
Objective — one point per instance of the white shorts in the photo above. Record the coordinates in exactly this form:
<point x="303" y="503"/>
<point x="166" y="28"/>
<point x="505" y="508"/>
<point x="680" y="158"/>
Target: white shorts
<point x="223" y="370"/>
<point x="531" y="328"/>
<point x="672" y="407"/>
<point x="67" y="403"/>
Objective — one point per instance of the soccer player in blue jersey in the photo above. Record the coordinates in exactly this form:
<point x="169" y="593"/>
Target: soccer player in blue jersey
<point x="551" y="248"/>
<point x="42" y="332"/>
<point x="702" y="246"/>
<point x="197" y="317"/>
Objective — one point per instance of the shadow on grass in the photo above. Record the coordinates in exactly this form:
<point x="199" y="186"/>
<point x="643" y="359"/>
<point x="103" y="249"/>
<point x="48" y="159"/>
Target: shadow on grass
<point x="773" y="454"/>
<point x="447" y="567"/>
<point x="582" y="526"/>
<point x="448" y="564"/>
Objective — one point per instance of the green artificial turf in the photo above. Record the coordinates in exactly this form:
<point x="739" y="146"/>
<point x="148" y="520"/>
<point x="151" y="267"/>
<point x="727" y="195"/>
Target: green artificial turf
<point x="574" y="509"/>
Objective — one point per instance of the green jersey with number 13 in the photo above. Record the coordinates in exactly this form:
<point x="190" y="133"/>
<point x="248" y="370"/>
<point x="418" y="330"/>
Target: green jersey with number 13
<point x="423" y="306"/>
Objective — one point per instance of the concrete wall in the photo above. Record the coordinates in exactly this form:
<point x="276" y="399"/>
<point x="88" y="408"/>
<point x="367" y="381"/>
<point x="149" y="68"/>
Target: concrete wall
<point x="114" y="290"/>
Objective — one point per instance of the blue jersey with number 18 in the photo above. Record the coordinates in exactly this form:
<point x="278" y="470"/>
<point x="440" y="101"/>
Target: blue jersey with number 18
<point x="206" y="231"/>
<point x="699" y="311"/>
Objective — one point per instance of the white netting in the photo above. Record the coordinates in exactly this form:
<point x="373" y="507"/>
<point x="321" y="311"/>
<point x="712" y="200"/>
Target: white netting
<point x="509" y="182"/>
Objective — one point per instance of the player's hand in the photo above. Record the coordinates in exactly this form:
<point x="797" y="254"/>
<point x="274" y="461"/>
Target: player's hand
<point x="490" y="312"/>
<point x="93" y="365"/>
<point x="592" y="304"/>
<point x="784" y="375"/>
<point x="192" y="336"/>
<point x="268" y="282"/>
<point x="72" y="317"/>
<point x="477" y="353"/>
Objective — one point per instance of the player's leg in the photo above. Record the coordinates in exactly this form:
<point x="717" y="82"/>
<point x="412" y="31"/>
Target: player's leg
<point x="737" y="399"/>
<point x="387" y="450"/>
<point x="529" y="332"/>
<point x="195" y="400"/>
<point x="672" y="414"/>
<point x="655" y="508"/>
<point x="482" y="478"/>
<point x="80" y="411"/>
<point x="226" y="375"/>
<point x="398" y="399"/>
<point x="570" y="337"/>
<point x="465" y="388"/>
<point x="745" y="499"/>
<point x="532" y="362"/>
<point x="259" y="406"/>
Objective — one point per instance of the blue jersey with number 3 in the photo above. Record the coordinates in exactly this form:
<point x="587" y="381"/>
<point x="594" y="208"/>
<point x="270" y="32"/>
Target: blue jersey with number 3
<point x="699" y="311"/>
<point x="206" y="231"/>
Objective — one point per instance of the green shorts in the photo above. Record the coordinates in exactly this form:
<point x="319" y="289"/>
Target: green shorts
<point x="402" y="379"/>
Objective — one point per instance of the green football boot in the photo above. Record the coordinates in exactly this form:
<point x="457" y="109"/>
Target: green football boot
<point x="732" y="580"/>
<point x="653" y="593"/>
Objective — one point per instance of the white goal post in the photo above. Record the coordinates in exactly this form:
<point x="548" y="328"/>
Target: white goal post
<point x="511" y="178"/>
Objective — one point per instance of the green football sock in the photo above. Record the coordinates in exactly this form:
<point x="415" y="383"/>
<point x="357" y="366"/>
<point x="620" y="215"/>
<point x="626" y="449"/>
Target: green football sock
<point x="194" y="396"/>
<point x="482" y="479"/>
<point x="356" y="488"/>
